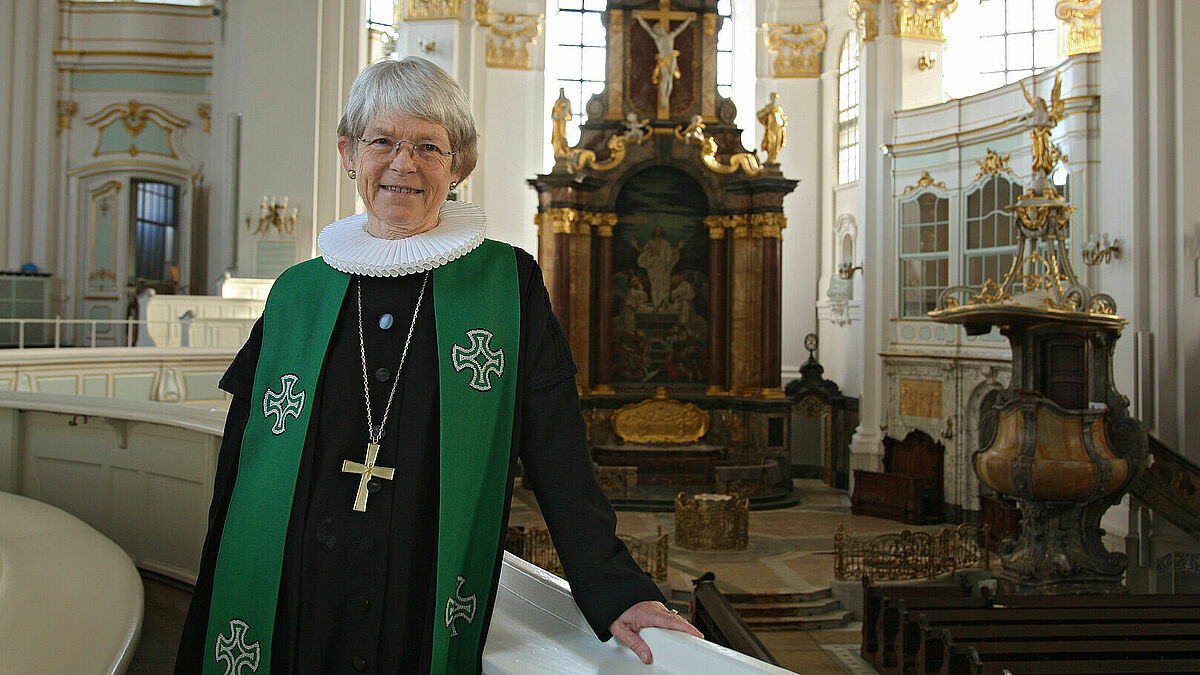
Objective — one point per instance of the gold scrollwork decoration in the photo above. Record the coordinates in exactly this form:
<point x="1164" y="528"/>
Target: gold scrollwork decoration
<point x="509" y="37"/>
<point x="923" y="182"/>
<point x="922" y="18"/>
<point x="660" y="419"/>
<point x="1082" y="20"/>
<point x="587" y="157"/>
<point x="745" y="161"/>
<point x="864" y="14"/>
<point x="993" y="165"/>
<point x="134" y="116"/>
<point x="424" y="10"/>
<point x="795" y="49"/>
<point x="204" y="112"/>
<point x="66" y="110"/>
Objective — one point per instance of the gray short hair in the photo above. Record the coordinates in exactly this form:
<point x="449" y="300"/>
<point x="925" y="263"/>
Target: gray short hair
<point x="418" y="87"/>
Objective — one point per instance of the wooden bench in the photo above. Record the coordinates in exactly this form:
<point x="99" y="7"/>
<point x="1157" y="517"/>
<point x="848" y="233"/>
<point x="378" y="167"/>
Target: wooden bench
<point x="1046" y="625"/>
<point x="931" y="654"/>
<point x="1085" y="655"/>
<point x="910" y="487"/>
<point x="874" y="596"/>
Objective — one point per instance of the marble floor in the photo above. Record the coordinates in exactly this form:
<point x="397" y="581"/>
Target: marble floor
<point x="790" y="549"/>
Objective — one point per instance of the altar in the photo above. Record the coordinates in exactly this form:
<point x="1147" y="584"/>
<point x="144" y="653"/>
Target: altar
<point x="659" y="239"/>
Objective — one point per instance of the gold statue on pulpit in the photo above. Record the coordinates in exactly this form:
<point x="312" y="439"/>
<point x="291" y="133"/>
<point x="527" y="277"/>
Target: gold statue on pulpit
<point x="1042" y="120"/>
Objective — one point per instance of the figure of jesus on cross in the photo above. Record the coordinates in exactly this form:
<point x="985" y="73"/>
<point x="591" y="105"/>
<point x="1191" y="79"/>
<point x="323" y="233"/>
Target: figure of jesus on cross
<point x="666" y="67"/>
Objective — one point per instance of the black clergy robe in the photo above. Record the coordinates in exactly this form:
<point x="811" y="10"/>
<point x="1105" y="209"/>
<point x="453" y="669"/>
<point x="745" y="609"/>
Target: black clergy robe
<point x="357" y="588"/>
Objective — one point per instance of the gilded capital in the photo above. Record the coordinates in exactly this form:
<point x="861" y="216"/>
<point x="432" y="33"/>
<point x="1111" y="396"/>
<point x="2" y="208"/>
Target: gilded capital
<point x="865" y="14"/>
<point x="1081" y="18"/>
<point x="922" y="18"/>
<point x="509" y="39"/>
<point x="421" y="10"/>
<point x="767" y="225"/>
<point x="795" y="49"/>
<point x="562" y="220"/>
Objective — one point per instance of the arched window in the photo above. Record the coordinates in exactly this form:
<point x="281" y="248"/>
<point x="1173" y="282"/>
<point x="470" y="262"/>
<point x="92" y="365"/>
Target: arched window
<point x="575" y="60"/>
<point x="847" y="161"/>
<point x="924" y="252"/>
<point x="991" y="237"/>
<point x="725" y="49"/>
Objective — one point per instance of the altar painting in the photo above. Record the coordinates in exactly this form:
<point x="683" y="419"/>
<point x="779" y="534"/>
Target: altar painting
<point x="660" y="280"/>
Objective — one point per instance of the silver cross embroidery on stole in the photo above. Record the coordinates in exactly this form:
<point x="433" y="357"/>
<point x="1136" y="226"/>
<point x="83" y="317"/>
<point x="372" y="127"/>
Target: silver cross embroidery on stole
<point x="458" y="607"/>
<point x="234" y="651"/>
<point x="480" y="358"/>
<point x="283" y="404"/>
<point x="367" y="470"/>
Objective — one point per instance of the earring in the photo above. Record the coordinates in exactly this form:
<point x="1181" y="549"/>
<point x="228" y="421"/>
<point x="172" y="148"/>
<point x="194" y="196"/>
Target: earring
<point x="453" y="184"/>
<point x="351" y="173"/>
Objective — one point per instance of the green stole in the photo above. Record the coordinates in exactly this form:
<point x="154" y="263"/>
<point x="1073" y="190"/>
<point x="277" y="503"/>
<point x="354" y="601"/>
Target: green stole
<point x="477" y="309"/>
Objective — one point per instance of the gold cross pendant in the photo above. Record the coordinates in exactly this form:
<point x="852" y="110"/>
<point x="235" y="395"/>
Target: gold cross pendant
<point x="367" y="471"/>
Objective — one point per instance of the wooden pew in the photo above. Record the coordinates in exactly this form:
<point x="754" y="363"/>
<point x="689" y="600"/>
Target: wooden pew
<point x="925" y="634"/>
<point x="1064" y="657"/>
<point x="932" y="650"/>
<point x="873" y="595"/>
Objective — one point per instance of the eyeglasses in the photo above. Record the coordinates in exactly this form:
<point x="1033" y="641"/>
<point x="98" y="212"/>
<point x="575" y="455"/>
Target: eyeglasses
<point x="384" y="148"/>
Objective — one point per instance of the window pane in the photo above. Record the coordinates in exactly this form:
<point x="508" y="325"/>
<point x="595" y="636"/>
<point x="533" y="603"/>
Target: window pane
<point x="1019" y="15"/>
<point x="725" y="37"/>
<point x="593" y="30"/>
<point x="569" y="4"/>
<point x="909" y="240"/>
<point x="1043" y="15"/>
<point x="593" y="63"/>
<point x="569" y="27"/>
<point x="1020" y="51"/>
<point x="990" y="55"/>
<point x="725" y="66"/>
<point x="912" y="273"/>
<point x="725" y="7"/>
<point x="991" y="14"/>
<point x="595" y="5"/>
<point x="1045" y="45"/>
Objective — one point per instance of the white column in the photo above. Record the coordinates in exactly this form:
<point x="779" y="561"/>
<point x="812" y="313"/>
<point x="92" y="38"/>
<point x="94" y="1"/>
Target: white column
<point x="26" y="142"/>
<point x="878" y="96"/>
<point x="341" y="53"/>
<point x="1186" y="24"/>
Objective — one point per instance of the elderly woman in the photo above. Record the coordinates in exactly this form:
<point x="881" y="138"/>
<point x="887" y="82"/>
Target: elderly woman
<point x="379" y="409"/>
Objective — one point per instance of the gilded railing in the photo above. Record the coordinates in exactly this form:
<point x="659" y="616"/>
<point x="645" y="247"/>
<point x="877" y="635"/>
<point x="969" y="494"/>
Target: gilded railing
<point x="909" y="555"/>
<point x="534" y="545"/>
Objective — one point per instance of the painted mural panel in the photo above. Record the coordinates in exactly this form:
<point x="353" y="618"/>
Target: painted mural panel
<point x="660" y="280"/>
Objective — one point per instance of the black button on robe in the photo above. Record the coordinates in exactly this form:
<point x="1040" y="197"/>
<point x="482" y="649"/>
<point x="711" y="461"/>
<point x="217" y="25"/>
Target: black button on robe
<point x="356" y="593"/>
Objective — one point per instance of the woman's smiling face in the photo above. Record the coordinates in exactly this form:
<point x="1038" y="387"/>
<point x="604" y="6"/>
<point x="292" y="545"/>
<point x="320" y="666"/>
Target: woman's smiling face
<point x="402" y="191"/>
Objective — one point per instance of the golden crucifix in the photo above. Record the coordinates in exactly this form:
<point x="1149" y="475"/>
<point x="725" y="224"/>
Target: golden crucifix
<point x="666" y="66"/>
<point x="367" y="471"/>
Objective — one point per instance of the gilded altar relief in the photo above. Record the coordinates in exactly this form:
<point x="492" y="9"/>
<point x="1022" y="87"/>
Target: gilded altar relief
<point x="660" y="280"/>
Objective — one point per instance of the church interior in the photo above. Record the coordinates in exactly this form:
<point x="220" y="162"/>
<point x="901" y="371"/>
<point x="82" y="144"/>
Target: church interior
<point x="894" y="288"/>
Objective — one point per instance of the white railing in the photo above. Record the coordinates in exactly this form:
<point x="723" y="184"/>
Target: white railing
<point x="183" y="332"/>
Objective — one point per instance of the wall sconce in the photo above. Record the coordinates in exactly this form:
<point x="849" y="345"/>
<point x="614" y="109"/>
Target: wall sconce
<point x="274" y="214"/>
<point x="926" y="61"/>
<point x="1097" y="251"/>
<point x="847" y="268"/>
<point x="427" y="46"/>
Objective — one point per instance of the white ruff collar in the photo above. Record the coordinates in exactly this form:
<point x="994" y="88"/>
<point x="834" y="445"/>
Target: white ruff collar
<point x="348" y="247"/>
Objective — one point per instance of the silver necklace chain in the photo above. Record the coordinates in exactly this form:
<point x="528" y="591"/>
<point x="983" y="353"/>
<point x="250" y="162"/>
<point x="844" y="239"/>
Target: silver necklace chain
<point x="375" y="433"/>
